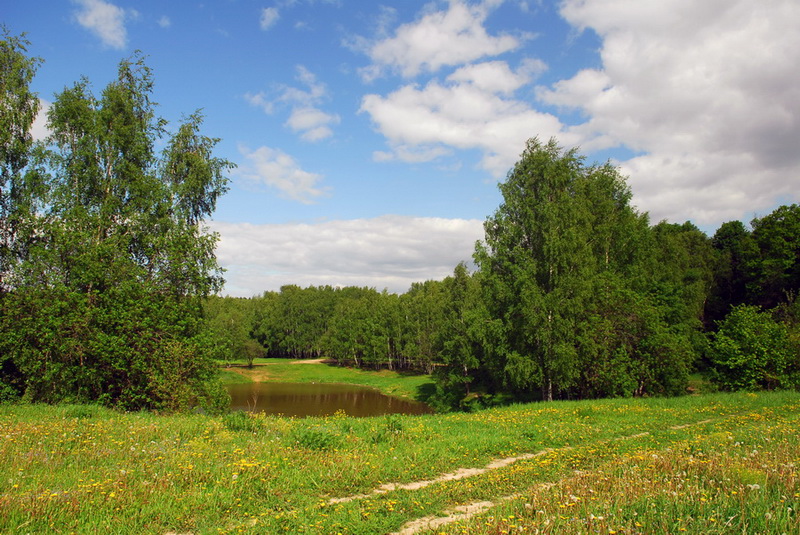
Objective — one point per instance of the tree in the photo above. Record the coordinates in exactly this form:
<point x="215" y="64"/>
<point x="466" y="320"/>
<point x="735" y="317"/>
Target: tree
<point x="229" y="323"/>
<point x="424" y="304"/>
<point x="461" y="339"/>
<point x="266" y="318"/>
<point x="17" y="113"/>
<point x="560" y="226"/>
<point x="735" y="254"/>
<point x="776" y="274"/>
<point x="105" y="304"/>
<point x="353" y="334"/>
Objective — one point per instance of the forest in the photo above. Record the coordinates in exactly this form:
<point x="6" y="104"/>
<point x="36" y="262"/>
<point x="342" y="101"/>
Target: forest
<point x="573" y="295"/>
<point x="110" y="289"/>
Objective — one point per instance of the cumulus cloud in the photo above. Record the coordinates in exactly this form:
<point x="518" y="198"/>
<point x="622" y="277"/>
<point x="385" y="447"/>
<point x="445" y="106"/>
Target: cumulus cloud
<point x="305" y="118"/>
<point x="473" y="108"/>
<point x="164" y="22"/>
<point x="388" y="252"/>
<point x="496" y="76"/>
<point x="311" y="123"/>
<point x="269" y="16"/>
<point x="276" y="169"/>
<point x="439" y="38"/>
<point x="706" y="92"/>
<point x="105" y="20"/>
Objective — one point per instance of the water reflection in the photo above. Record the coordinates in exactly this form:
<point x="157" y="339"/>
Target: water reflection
<point x="318" y="399"/>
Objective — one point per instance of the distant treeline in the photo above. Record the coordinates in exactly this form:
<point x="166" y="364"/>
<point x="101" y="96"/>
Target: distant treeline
<point x="576" y="295"/>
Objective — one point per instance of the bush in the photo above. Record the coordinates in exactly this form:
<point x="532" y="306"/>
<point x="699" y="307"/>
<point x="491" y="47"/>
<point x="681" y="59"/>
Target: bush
<point x="752" y="351"/>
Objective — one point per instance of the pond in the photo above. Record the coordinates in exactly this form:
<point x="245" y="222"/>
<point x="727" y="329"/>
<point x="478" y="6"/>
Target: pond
<point x="318" y="399"/>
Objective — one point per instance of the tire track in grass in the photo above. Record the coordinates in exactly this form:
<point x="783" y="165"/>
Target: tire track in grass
<point x="459" y="513"/>
<point x="466" y="512"/>
<point x="495" y="464"/>
<point x="461" y="473"/>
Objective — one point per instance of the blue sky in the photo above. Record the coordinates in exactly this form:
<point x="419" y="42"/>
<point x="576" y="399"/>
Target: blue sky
<point x="370" y="137"/>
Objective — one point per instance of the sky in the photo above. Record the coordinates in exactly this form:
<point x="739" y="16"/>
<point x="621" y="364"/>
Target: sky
<point x="370" y="137"/>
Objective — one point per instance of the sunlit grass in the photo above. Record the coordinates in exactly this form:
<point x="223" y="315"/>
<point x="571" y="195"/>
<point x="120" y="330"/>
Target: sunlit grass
<point x="604" y="466"/>
<point x="392" y="383"/>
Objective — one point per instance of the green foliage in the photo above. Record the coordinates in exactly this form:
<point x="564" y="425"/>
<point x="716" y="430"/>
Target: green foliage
<point x="751" y="351"/>
<point x="110" y="253"/>
<point x="759" y="267"/>
<point x="461" y="340"/>
<point x="574" y="281"/>
<point x="423" y="305"/>
<point x="776" y="274"/>
<point x="735" y="253"/>
<point x="229" y="323"/>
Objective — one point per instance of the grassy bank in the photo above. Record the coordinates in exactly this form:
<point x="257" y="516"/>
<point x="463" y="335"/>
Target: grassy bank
<point x="700" y="464"/>
<point x="389" y="382"/>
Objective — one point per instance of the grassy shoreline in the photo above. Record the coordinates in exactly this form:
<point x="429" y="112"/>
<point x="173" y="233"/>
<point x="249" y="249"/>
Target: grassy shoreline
<point x="391" y="383"/>
<point x="700" y="464"/>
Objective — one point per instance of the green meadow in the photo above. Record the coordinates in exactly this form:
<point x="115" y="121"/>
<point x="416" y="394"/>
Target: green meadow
<point x="391" y="383"/>
<point x="715" y="463"/>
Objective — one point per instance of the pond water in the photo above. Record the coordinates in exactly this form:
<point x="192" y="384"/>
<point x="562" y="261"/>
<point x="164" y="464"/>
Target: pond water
<point x="318" y="399"/>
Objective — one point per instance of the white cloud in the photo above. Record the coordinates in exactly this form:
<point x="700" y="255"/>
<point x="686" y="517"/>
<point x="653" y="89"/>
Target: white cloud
<point x="164" y="22"/>
<point x="388" y="252"/>
<point x="496" y="76"/>
<point x="707" y="92"/>
<point x="105" y="20"/>
<point x="305" y="117"/>
<point x="312" y="123"/>
<point x="440" y="38"/>
<point x="473" y="109"/>
<point x="260" y="100"/>
<point x="315" y="91"/>
<point x="276" y="169"/>
<point x="269" y="16"/>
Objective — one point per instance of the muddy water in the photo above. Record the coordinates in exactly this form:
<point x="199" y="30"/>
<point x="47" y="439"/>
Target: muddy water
<point x="318" y="399"/>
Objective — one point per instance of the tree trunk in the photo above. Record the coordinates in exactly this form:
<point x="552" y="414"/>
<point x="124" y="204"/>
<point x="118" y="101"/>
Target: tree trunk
<point x="547" y="390"/>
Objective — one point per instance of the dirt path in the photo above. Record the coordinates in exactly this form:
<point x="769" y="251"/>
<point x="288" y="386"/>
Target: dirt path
<point x="461" y="473"/>
<point x="465" y="512"/>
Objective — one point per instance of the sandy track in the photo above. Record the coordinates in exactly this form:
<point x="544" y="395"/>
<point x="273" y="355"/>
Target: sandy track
<point x="464" y="512"/>
<point x="461" y="473"/>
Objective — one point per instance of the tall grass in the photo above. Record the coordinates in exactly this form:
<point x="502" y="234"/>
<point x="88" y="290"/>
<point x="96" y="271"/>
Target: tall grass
<point x="603" y="466"/>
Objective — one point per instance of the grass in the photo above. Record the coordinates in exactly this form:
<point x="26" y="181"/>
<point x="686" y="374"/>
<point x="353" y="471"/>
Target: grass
<point x="698" y="464"/>
<point x="389" y="382"/>
<point x="231" y="377"/>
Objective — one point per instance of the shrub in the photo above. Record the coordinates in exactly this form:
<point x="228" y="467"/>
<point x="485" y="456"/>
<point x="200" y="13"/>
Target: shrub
<point x="752" y="351"/>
